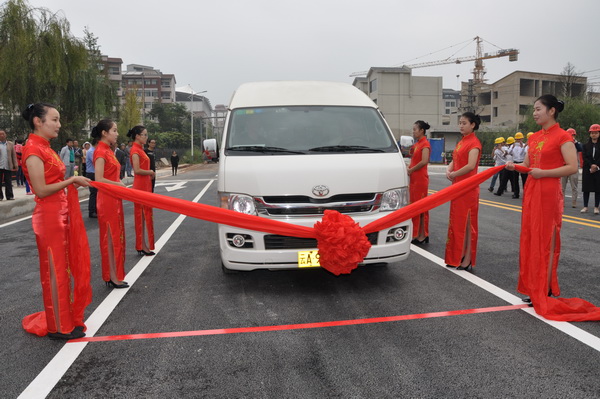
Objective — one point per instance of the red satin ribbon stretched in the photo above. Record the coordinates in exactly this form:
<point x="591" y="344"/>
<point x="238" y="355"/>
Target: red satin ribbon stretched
<point x="348" y="252"/>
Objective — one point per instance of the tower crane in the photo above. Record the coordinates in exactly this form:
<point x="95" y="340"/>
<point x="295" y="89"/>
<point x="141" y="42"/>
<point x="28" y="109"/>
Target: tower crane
<point x="478" y="71"/>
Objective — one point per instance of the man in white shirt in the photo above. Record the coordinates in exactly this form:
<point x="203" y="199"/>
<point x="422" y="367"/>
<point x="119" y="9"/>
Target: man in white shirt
<point x="499" y="159"/>
<point x="518" y="153"/>
<point x="574" y="178"/>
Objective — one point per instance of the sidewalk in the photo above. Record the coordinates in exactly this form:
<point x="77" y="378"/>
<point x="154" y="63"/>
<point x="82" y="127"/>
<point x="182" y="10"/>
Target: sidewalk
<point x="23" y="204"/>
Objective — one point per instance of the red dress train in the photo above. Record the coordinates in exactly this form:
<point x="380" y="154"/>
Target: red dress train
<point x="419" y="184"/>
<point x="543" y="203"/>
<point x="142" y="182"/>
<point x="110" y="217"/>
<point x="463" y="207"/>
<point x="62" y="248"/>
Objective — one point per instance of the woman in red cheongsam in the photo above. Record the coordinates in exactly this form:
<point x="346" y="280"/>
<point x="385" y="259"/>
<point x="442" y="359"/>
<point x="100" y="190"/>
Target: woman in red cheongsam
<point x="551" y="155"/>
<point x="419" y="180"/>
<point x="110" y="209"/>
<point x="461" y="246"/>
<point x="60" y="235"/>
<point x="144" y="221"/>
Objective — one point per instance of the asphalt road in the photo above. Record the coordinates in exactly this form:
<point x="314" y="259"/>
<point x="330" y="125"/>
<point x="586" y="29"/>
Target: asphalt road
<point x="507" y="353"/>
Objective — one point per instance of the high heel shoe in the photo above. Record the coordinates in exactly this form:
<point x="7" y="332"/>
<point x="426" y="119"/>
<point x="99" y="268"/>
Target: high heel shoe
<point x="76" y="333"/>
<point x="467" y="267"/>
<point x="144" y="253"/>
<point x="417" y="242"/>
<point x="112" y="284"/>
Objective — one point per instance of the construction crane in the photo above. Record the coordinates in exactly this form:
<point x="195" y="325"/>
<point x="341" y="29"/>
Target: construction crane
<point x="478" y="71"/>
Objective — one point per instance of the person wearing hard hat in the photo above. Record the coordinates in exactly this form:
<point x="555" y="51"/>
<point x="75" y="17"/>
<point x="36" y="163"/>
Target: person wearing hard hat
<point x="507" y="175"/>
<point x="591" y="169"/>
<point x="499" y="156"/>
<point x="518" y="154"/>
<point x="574" y="178"/>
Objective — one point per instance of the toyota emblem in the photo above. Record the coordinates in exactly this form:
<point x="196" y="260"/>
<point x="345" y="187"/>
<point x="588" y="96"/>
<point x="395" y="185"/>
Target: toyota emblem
<point x="320" y="191"/>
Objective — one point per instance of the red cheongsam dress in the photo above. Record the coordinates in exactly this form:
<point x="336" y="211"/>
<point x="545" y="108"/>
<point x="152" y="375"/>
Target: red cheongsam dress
<point x="144" y="183"/>
<point x="541" y="217"/>
<point x="463" y="207"/>
<point x="419" y="184"/>
<point x="110" y="217"/>
<point x="62" y="248"/>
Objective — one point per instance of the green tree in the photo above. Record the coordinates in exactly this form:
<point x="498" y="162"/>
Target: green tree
<point x="129" y="114"/>
<point x="43" y="62"/>
<point x="171" y="116"/>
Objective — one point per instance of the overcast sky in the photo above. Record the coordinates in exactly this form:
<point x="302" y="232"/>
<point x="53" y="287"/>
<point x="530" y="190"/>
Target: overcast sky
<point x="217" y="45"/>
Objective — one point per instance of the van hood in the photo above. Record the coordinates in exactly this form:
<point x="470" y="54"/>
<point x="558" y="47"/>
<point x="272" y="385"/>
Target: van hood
<point x="299" y="174"/>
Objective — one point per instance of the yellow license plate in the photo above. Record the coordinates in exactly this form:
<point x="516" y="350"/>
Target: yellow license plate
<point x="308" y="259"/>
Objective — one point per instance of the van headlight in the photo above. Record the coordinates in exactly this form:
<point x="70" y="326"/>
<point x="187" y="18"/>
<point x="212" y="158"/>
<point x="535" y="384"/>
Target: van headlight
<point x="238" y="202"/>
<point x="394" y="199"/>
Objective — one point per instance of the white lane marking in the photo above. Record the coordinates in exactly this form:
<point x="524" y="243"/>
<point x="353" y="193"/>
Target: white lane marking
<point x="47" y="379"/>
<point x="567" y="328"/>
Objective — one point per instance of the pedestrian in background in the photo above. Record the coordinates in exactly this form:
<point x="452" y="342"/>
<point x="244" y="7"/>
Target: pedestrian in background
<point x="591" y="175"/>
<point x="111" y="221"/>
<point x="150" y="151"/>
<point x="419" y="179"/>
<point x="508" y="176"/>
<point x="499" y="157"/>
<point x="77" y="151"/>
<point x="461" y="246"/>
<point x="8" y="165"/>
<point x="174" y="163"/>
<point x="67" y="155"/>
<point x="574" y="178"/>
<point x="144" y="221"/>
<point x="518" y="153"/>
<point x="90" y="173"/>
<point x="121" y="155"/>
<point x="128" y="162"/>
<point x="84" y="150"/>
<point x="551" y="156"/>
<point x="61" y="239"/>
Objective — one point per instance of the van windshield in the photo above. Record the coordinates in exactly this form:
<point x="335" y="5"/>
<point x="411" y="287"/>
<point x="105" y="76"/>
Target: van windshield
<point x="307" y="129"/>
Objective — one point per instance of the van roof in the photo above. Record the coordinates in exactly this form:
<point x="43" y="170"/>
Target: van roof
<point x="285" y="93"/>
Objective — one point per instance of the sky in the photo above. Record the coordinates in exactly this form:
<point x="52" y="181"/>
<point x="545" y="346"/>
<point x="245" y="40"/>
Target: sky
<point x="218" y="45"/>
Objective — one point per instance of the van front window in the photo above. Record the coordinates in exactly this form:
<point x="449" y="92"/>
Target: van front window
<point x="307" y="129"/>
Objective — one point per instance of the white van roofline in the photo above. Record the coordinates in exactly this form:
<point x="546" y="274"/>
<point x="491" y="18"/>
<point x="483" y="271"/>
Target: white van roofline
<point x="288" y="93"/>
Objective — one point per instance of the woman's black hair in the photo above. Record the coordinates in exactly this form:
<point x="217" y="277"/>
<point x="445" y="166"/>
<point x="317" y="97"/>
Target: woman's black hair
<point x="103" y="126"/>
<point x="423" y="125"/>
<point x="472" y="119"/>
<point x="134" y="131"/>
<point x="36" y="110"/>
<point x="550" y="101"/>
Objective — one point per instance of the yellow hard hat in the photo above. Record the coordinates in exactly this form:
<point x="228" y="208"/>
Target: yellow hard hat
<point x="529" y="134"/>
<point x="510" y="140"/>
<point x="519" y="136"/>
<point x="499" y="140"/>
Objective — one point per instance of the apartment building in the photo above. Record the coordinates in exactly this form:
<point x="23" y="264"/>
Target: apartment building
<point x="505" y="103"/>
<point x="150" y="85"/>
<point x="403" y="98"/>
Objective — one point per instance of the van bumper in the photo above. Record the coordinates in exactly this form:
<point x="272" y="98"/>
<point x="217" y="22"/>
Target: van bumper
<point x="267" y="251"/>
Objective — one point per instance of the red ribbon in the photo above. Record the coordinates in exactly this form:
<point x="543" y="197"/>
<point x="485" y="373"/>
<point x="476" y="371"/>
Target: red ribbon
<point x="342" y="243"/>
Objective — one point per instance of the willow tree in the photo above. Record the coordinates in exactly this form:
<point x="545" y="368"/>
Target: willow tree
<point x="41" y="61"/>
<point x="129" y="115"/>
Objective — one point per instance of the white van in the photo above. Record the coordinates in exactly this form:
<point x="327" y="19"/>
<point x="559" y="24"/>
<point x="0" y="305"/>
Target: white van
<point x="293" y="149"/>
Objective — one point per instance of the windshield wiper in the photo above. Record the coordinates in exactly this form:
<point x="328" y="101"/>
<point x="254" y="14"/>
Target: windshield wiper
<point x="345" y="148"/>
<point x="262" y="148"/>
